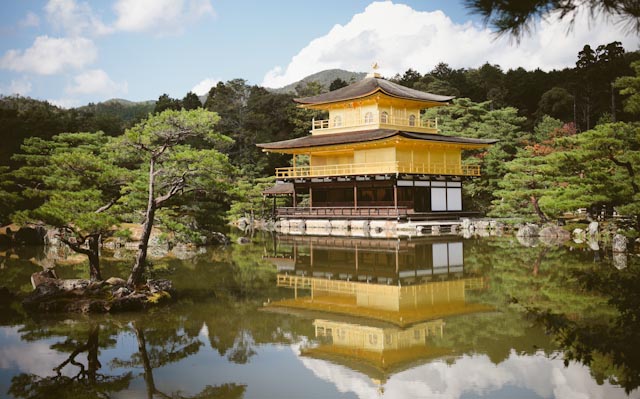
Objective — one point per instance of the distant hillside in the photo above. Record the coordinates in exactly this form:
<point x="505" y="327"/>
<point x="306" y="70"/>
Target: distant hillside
<point x="324" y="78"/>
<point x="125" y="110"/>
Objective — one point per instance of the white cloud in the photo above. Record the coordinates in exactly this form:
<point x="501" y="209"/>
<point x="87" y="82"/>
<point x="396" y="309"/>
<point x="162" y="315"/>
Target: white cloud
<point x="204" y="86"/>
<point x="65" y="102"/>
<point x="160" y="16"/>
<point x="31" y="20"/>
<point x="74" y="18"/>
<point x="399" y="37"/>
<point x="96" y="81"/>
<point x="49" y="55"/>
<point x="20" y="86"/>
<point x="474" y="375"/>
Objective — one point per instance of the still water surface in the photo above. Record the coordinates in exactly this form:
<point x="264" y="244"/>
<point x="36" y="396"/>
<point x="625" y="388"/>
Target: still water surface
<point x="324" y="317"/>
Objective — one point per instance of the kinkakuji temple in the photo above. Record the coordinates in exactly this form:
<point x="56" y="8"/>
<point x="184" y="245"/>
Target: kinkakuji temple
<point x="374" y="158"/>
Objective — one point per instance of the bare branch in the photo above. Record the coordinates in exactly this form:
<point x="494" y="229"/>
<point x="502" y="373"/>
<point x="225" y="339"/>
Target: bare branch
<point x="107" y="206"/>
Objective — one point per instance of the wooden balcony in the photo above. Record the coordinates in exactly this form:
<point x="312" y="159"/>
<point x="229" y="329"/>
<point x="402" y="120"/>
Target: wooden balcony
<point x="374" y="121"/>
<point x="368" y="212"/>
<point x="372" y="168"/>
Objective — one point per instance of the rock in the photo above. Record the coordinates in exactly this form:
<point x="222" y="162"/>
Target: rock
<point x="528" y="241"/>
<point x="242" y="223"/>
<point x="45" y="276"/>
<point x="183" y="251"/>
<point x="121" y="292"/>
<point x="552" y="235"/>
<point x="619" y="243"/>
<point x="620" y="260"/>
<point x="243" y="240"/>
<point x="52" y="237"/>
<point x="157" y="252"/>
<point x="115" y="281"/>
<point x="578" y="233"/>
<point x="128" y="303"/>
<point x="593" y="244"/>
<point x="160" y="285"/>
<point x="555" y="232"/>
<point x="482" y="224"/>
<point x="44" y="292"/>
<point x="592" y="230"/>
<point x="528" y="230"/>
<point x="73" y="284"/>
<point x="219" y="238"/>
<point x="466" y="224"/>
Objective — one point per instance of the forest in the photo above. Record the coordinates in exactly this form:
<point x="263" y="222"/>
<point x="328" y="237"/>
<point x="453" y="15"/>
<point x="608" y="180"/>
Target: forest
<point x="569" y="139"/>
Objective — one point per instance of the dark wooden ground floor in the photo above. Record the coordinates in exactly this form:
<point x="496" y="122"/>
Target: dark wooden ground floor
<point x="373" y="197"/>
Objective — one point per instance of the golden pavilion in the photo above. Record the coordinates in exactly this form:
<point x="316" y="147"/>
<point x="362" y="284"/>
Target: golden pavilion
<point x="375" y="157"/>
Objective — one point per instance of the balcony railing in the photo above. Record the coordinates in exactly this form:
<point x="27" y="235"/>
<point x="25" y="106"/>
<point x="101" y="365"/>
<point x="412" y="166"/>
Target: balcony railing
<point x="342" y="212"/>
<point x="373" y="121"/>
<point x="378" y="168"/>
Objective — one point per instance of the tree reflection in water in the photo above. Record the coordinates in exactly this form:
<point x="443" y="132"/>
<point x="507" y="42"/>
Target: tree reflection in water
<point x="158" y="346"/>
<point x="608" y="345"/>
<point x="80" y="382"/>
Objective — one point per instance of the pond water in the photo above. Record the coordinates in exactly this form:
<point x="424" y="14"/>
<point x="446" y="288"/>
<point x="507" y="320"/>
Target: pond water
<point x="330" y="317"/>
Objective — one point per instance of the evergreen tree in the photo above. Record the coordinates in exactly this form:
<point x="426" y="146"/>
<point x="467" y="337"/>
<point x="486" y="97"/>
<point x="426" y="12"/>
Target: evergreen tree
<point x="165" y="102"/>
<point x="78" y="179"/>
<point x="337" y="84"/>
<point x="172" y="170"/>
<point x="630" y="86"/>
<point x="191" y="101"/>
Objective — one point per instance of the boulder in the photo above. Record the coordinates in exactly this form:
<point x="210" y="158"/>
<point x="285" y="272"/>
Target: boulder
<point x="160" y="285"/>
<point x="552" y="231"/>
<point x="592" y="230"/>
<point x="619" y="243"/>
<point x="528" y="230"/>
<point x="243" y="240"/>
<point x="466" y="224"/>
<point x="115" y="281"/>
<point x="184" y="251"/>
<point x="127" y="303"/>
<point x="593" y="244"/>
<point x="620" y="260"/>
<point x="121" y="292"/>
<point x="219" y="238"/>
<point x="45" y="276"/>
<point x="528" y="241"/>
<point x="242" y="223"/>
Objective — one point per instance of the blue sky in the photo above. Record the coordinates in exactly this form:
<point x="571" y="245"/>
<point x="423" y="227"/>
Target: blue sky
<point x="72" y="52"/>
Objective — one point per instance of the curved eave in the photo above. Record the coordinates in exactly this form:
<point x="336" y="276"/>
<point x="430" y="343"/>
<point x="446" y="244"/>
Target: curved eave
<point x="326" y="104"/>
<point x="366" y="138"/>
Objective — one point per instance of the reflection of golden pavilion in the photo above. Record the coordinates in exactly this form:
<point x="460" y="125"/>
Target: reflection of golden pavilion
<point x="375" y="350"/>
<point x="397" y="282"/>
<point x="377" y="304"/>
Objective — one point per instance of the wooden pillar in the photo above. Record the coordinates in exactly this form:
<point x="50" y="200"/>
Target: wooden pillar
<point x="395" y="196"/>
<point x="295" y="199"/>
<point x="310" y="197"/>
<point x="274" y="205"/>
<point x="293" y="161"/>
<point x="355" y="196"/>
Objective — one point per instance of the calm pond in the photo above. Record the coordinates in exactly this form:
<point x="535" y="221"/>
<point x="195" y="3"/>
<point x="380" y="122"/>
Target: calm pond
<point x="331" y="317"/>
